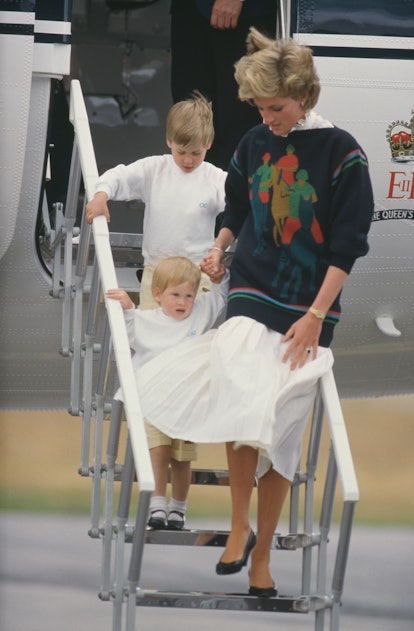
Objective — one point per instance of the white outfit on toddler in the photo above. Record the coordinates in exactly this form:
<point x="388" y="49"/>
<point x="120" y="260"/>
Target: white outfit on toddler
<point x="230" y="384"/>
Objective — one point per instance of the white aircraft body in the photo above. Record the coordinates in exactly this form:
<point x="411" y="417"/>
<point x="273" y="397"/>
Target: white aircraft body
<point x="367" y="88"/>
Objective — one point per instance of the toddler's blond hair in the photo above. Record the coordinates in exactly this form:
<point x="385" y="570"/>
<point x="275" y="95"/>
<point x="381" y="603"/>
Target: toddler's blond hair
<point x="175" y="270"/>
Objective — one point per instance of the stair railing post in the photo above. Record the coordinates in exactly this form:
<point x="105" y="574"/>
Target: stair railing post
<point x="107" y="530"/>
<point x="103" y="370"/>
<point x="70" y="211"/>
<point x="311" y="464"/>
<point x="124" y="503"/>
<point x="135" y="563"/>
<point x="341" y="561"/>
<point x="90" y="333"/>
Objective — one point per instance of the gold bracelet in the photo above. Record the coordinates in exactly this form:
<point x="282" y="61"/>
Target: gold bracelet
<point x="317" y="313"/>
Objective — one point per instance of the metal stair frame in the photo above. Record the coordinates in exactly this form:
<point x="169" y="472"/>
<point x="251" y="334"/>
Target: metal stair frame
<point x="83" y="340"/>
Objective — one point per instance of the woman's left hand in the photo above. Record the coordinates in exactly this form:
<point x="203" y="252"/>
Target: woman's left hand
<point x="211" y="264"/>
<point x="303" y="336"/>
<point x="217" y="276"/>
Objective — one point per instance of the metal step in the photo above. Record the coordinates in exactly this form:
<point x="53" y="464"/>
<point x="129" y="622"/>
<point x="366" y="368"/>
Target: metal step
<point x="206" y="477"/>
<point x="215" y="538"/>
<point x="223" y="601"/>
<point x="207" y="538"/>
<point x="185" y="537"/>
<point x="210" y="477"/>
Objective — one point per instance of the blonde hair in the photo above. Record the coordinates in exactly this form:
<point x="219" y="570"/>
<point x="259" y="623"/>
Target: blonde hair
<point x="190" y="122"/>
<point x="277" y="68"/>
<point x="175" y="270"/>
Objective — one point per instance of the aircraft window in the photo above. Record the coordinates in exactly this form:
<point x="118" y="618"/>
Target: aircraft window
<point x="356" y="17"/>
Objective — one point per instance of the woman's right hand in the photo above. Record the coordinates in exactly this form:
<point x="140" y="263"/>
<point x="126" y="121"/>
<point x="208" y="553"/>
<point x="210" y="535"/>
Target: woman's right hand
<point x="97" y="206"/>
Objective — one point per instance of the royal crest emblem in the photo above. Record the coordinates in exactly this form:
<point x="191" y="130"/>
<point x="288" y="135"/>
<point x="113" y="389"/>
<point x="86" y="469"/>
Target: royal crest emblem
<point x="400" y="136"/>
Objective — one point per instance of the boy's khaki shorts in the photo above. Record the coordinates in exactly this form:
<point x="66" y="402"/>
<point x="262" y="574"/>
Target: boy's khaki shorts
<point x="181" y="450"/>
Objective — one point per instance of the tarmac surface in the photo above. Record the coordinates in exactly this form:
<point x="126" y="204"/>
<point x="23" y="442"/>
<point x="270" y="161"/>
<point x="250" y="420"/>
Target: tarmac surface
<point x="50" y="579"/>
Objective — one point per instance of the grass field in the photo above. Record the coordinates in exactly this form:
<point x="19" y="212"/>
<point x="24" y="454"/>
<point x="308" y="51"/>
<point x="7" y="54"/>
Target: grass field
<point x="40" y="456"/>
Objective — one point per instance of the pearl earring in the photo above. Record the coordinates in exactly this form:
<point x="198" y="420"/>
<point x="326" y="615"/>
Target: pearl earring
<point x="302" y="104"/>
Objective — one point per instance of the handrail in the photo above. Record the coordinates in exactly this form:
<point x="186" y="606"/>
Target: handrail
<point x="339" y="438"/>
<point x="79" y="119"/>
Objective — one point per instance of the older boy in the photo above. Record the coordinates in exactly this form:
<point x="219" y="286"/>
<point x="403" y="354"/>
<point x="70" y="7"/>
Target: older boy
<point x="182" y="193"/>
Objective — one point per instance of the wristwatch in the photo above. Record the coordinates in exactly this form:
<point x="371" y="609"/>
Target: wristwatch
<point x="317" y="313"/>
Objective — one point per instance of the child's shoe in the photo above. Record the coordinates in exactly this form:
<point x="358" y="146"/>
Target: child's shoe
<point x="157" y="519"/>
<point x="176" y="520"/>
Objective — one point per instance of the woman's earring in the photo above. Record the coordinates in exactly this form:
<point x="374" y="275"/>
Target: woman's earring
<point x="302" y="104"/>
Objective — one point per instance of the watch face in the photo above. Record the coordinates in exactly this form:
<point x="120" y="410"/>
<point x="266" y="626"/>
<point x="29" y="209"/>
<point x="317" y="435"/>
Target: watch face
<point x="317" y="313"/>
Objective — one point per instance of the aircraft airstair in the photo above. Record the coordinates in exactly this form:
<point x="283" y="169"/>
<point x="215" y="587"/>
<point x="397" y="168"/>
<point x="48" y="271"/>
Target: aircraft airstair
<point x="94" y="338"/>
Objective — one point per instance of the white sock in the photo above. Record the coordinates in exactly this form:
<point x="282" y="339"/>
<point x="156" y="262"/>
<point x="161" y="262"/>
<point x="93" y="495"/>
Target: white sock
<point x="176" y="505"/>
<point x="158" y="503"/>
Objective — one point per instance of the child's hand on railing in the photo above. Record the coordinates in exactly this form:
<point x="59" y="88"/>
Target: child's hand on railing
<point x="122" y="296"/>
<point x="97" y="206"/>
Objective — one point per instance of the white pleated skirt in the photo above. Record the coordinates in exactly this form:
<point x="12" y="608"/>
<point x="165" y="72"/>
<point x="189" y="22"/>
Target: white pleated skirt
<point x="230" y="384"/>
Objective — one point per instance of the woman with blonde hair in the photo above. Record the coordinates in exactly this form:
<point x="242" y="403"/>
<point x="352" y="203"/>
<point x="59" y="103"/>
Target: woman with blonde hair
<point x="284" y="298"/>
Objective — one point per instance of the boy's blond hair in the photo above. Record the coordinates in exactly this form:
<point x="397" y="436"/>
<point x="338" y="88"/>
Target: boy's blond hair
<point x="190" y="122"/>
<point x="175" y="270"/>
<point x="277" y="68"/>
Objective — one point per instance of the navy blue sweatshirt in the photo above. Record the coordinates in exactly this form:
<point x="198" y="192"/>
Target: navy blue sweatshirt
<point x="297" y="204"/>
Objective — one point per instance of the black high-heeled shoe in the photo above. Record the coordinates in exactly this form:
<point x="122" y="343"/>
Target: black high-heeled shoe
<point x="235" y="566"/>
<point x="263" y="592"/>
